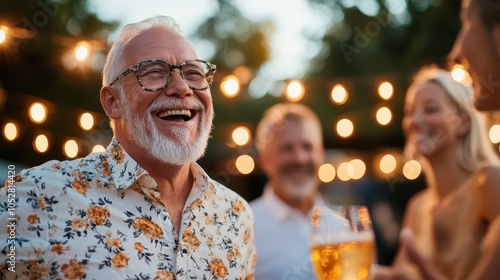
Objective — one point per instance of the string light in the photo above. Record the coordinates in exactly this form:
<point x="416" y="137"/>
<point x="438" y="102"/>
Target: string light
<point x="294" y="91"/>
<point x="3" y="34"/>
<point x="385" y="90"/>
<point x="86" y="121"/>
<point x="326" y="173"/>
<point x="460" y="74"/>
<point x="230" y="86"/>
<point x="71" y="148"/>
<point x="388" y="164"/>
<point x="359" y="168"/>
<point x="343" y="172"/>
<point x="494" y="134"/>
<point x="245" y="164"/>
<point x="98" y="149"/>
<point x="82" y="51"/>
<point x="41" y="143"/>
<point x="241" y="135"/>
<point x="10" y="131"/>
<point x="412" y="169"/>
<point x="384" y="116"/>
<point x="38" y="112"/>
<point x="339" y="95"/>
<point x="344" y="128"/>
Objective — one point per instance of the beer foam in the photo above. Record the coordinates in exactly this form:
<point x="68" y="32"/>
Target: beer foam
<point x="343" y="237"/>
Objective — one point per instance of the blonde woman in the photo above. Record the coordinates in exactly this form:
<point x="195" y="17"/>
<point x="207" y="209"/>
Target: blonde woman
<point x="451" y="227"/>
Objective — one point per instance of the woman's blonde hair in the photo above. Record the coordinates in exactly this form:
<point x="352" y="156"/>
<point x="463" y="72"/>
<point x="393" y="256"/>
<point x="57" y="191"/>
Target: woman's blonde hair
<point x="476" y="149"/>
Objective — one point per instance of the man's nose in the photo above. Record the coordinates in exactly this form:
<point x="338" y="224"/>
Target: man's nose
<point x="177" y="85"/>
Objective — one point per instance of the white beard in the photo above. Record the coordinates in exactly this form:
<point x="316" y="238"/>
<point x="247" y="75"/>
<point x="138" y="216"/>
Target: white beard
<point x="178" y="150"/>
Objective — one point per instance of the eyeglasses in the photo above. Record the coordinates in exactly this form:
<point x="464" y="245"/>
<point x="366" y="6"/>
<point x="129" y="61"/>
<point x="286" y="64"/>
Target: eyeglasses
<point x="155" y="74"/>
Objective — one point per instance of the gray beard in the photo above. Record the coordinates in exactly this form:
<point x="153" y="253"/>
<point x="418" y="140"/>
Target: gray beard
<point x="177" y="150"/>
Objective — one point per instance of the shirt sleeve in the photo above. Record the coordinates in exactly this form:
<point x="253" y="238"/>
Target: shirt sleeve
<point x="23" y="226"/>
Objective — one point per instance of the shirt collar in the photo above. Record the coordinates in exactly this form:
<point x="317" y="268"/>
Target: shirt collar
<point x="124" y="171"/>
<point x="280" y="210"/>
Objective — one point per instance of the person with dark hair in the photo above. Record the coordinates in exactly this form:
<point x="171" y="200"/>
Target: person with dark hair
<point x="477" y="48"/>
<point x="451" y="227"/>
<point x="143" y="209"/>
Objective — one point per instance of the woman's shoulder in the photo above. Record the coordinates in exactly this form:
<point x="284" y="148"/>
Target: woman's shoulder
<point x="487" y="184"/>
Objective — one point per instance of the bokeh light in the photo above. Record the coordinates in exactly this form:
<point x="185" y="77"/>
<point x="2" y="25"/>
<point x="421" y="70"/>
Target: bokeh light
<point x="359" y="169"/>
<point x="241" y="135"/>
<point x="38" y="112"/>
<point x="294" y="91"/>
<point x="344" y="128"/>
<point x="326" y="173"/>
<point x="495" y="134"/>
<point x="230" y="86"/>
<point x="98" y="149"/>
<point x="86" y="121"/>
<point x="339" y="95"/>
<point x="82" y="51"/>
<point x="41" y="143"/>
<point x="384" y="116"/>
<point x="388" y="164"/>
<point x="385" y="90"/>
<point x="10" y="131"/>
<point x="412" y="169"/>
<point x="245" y="164"/>
<point x="71" y="148"/>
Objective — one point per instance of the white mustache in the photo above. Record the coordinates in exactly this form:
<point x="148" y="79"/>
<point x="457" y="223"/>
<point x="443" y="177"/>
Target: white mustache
<point x="176" y="103"/>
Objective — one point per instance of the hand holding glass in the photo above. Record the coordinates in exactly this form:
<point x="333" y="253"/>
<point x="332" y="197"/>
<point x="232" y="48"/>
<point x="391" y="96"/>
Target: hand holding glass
<point x="342" y="242"/>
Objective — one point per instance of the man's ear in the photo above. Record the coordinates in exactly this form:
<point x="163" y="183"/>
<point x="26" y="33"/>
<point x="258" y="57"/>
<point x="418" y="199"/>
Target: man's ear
<point x="111" y="102"/>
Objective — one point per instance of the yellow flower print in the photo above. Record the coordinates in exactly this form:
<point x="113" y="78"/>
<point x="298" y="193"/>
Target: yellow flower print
<point x="208" y="220"/>
<point x="33" y="219"/>
<point x="56" y="165"/>
<point x="73" y="270"/>
<point x="138" y="246"/>
<point x="98" y="214"/>
<point x="236" y="250"/>
<point x="57" y="248"/>
<point x="230" y="256"/>
<point x="164" y="275"/>
<point x="38" y="272"/>
<point x="246" y="237"/>
<point x="117" y="154"/>
<point x="80" y="187"/>
<point x="79" y="225"/>
<point x="190" y="239"/>
<point x="41" y="202"/>
<point x="218" y="268"/>
<point x="113" y="242"/>
<point x="120" y="260"/>
<point x="150" y="229"/>
<point x="238" y="206"/>
<point x="210" y="241"/>
<point x="106" y="171"/>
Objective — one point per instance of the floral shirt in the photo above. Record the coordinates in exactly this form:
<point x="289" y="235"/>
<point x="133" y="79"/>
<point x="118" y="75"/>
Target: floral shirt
<point x="100" y="217"/>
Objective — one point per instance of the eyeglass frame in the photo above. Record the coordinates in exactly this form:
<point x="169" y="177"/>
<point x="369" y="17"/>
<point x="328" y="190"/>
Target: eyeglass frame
<point x="135" y="68"/>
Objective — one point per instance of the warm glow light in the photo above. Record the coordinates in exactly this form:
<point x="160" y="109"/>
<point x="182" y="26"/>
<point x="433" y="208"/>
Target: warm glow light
<point x="359" y="168"/>
<point x="384" y="116"/>
<point x="10" y="131"/>
<point x="241" y="135"/>
<point x="41" y="143"/>
<point x="71" y="148"/>
<point x="339" y="95"/>
<point x="326" y="173"/>
<point x="230" y="86"/>
<point x="385" y="90"/>
<point x="343" y="171"/>
<point x="294" y="91"/>
<point x="98" y="149"/>
<point x="495" y="134"/>
<point x="459" y="74"/>
<point x="345" y="128"/>
<point x="86" y="121"/>
<point x="38" y="112"/>
<point x="3" y="34"/>
<point x="82" y="51"/>
<point x="245" y="164"/>
<point x="388" y="163"/>
<point x="412" y="169"/>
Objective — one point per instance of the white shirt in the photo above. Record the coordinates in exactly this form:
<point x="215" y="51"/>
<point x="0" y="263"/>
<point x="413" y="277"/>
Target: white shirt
<point x="282" y="239"/>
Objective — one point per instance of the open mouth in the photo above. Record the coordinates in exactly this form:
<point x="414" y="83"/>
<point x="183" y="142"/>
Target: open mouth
<point x="177" y="115"/>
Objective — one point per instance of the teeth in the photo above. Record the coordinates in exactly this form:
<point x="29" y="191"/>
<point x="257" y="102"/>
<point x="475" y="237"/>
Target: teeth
<point x="174" y="112"/>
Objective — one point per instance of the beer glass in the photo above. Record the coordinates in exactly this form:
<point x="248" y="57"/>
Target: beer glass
<point x="342" y="242"/>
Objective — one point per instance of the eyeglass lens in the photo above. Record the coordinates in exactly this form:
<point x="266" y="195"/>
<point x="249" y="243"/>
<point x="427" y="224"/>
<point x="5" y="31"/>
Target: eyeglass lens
<point x="155" y="75"/>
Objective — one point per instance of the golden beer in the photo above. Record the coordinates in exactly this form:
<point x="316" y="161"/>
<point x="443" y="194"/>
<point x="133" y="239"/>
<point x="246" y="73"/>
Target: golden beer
<point x="349" y="260"/>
